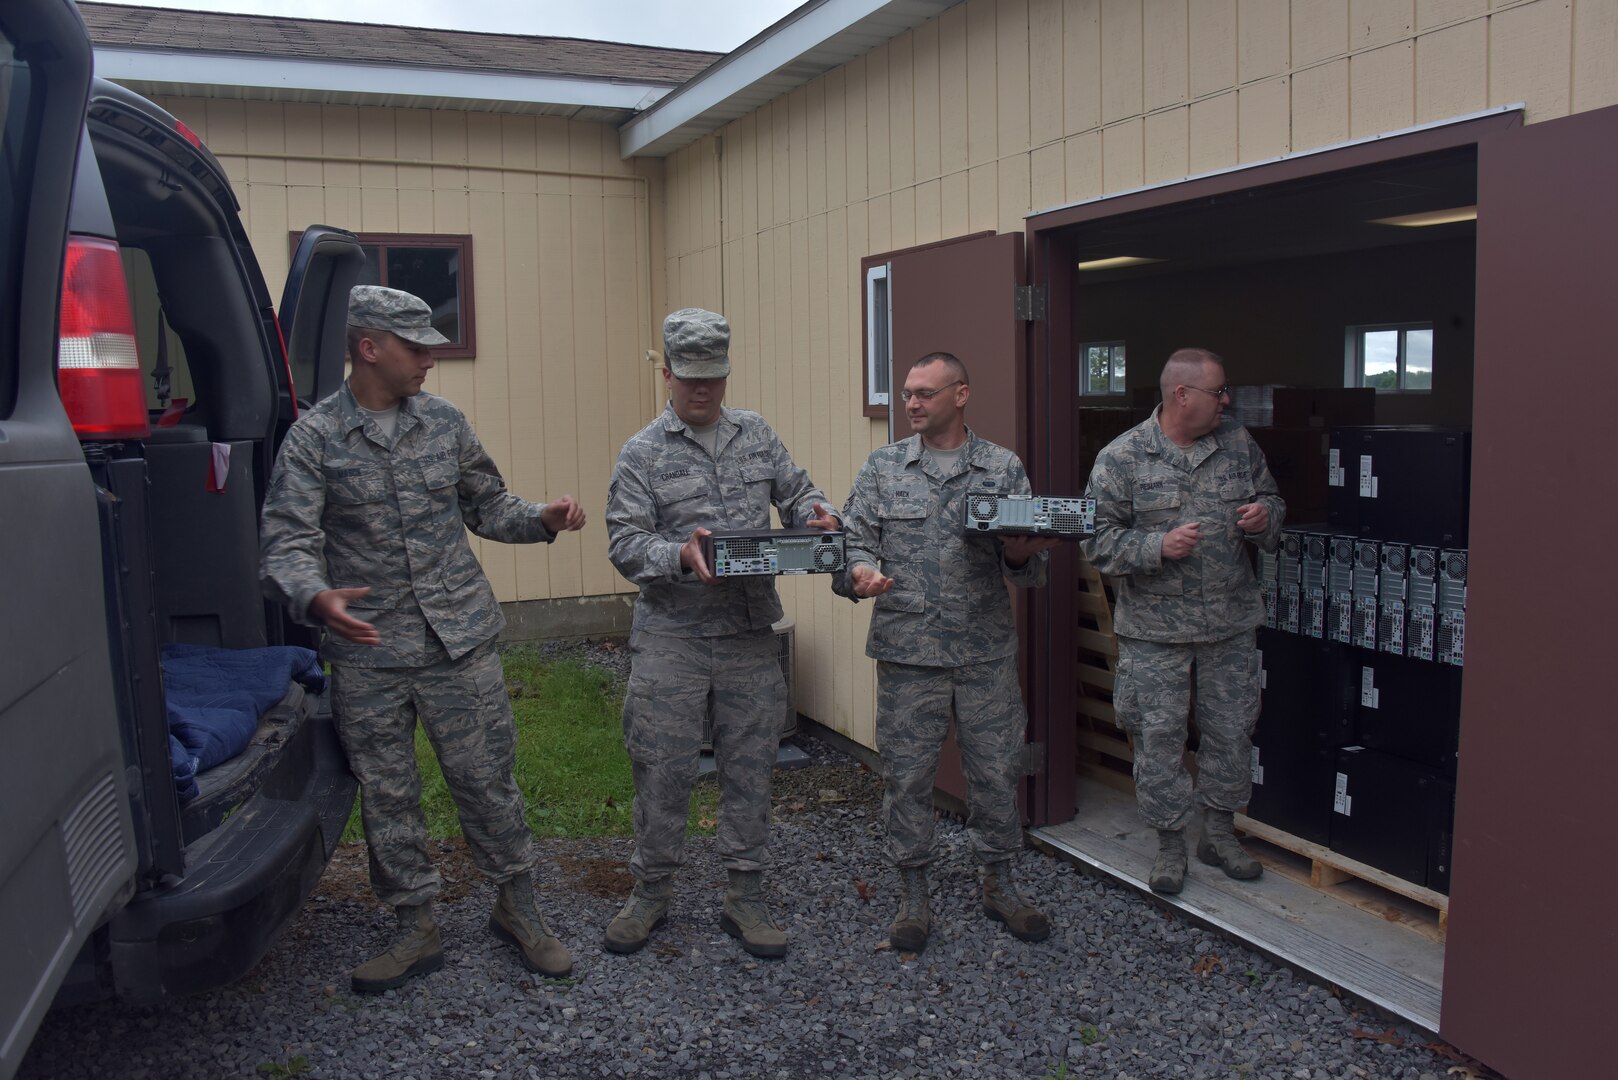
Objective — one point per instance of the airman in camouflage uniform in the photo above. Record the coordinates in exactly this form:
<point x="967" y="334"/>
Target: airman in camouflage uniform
<point x="944" y="640"/>
<point x="365" y="534"/>
<point x="1178" y="499"/>
<point x="701" y="643"/>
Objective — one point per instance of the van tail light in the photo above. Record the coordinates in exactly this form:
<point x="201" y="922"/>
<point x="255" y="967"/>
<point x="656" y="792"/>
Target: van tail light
<point x="97" y="365"/>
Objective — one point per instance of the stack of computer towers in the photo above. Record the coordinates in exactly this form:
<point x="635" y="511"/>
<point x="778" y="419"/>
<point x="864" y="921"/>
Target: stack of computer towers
<point x="1363" y="659"/>
<point x="1406" y="490"/>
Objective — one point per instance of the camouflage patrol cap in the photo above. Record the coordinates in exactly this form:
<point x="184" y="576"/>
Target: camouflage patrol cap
<point x="373" y="307"/>
<point x="696" y="344"/>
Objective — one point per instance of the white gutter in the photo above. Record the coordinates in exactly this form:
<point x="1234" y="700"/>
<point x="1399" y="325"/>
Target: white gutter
<point x="205" y="69"/>
<point x="801" y="32"/>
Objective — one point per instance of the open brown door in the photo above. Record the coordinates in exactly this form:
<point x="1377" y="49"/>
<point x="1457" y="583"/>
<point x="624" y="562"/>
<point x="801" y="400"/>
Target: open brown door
<point x="1532" y="935"/>
<point x="961" y="298"/>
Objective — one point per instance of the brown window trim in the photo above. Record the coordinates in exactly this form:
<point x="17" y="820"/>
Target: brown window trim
<point x="467" y="347"/>
<point x="880" y="412"/>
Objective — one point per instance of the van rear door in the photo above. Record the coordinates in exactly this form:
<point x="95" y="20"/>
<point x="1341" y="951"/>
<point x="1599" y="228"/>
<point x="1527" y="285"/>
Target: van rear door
<point x="314" y="309"/>
<point x="67" y="849"/>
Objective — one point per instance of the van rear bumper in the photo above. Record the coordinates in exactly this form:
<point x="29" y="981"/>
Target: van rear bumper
<point x="244" y="881"/>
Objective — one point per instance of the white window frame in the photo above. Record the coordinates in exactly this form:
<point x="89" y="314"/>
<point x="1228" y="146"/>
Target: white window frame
<point x="878" y="336"/>
<point x="1354" y="355"/>
<point x="1113" y="347"/>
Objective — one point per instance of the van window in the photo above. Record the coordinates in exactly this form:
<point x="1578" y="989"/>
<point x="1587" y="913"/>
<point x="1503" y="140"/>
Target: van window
<point x="151" y="326"/>
<point x="17" y="140"/>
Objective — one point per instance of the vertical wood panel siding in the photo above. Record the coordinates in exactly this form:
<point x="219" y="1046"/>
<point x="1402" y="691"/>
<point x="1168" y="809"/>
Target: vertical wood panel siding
<point x="567" y="301"/>
<point x="996" y="109"/>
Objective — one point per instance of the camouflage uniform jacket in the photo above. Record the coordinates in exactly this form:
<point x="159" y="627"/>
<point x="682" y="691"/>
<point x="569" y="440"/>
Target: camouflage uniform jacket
<point x="948" y="605"/>
<point x="1144" y="486"/>
<point x="345" y="510"/>
<point x="665" y="485"/>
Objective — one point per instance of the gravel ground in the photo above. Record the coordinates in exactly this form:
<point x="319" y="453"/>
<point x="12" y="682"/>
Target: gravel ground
<point x="1121" y="989"/>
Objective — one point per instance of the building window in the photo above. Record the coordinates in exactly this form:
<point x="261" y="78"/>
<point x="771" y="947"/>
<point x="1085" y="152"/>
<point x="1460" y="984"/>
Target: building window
<point x="1103" y="363"/>
<point x="878" y="337"/>
<point x="1390" y="358"/>
<point x="437" y="268"/>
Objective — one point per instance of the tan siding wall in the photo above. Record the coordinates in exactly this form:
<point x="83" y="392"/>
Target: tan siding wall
<point x="999" y="107"/>
<point x="564" y="295"/>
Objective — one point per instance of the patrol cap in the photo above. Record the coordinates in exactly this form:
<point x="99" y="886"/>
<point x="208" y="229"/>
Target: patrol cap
<point x="394" y="310"/>
<point x="696" y="344"/>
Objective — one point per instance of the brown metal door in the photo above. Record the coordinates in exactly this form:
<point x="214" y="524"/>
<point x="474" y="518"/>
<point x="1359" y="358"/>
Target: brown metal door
<point x="961" y="298"/>
<point x="1533" y="939"/>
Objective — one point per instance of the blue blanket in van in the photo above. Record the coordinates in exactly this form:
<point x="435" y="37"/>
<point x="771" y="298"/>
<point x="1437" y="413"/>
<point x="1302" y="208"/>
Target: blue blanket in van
<point x="216" y="696"/>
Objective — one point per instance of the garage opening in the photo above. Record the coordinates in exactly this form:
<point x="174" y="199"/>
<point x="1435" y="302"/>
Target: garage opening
<point x="1343" y="301"/>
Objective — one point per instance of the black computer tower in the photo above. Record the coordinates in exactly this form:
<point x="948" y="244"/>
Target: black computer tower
<point x="1268" y="569"/>
<point x="1388" y="813"/>
<point x="1392" y="591"/>
<point x="1289" y="590"/>
<point x="1367" y="577"/>
<point x="1442" y="850"/>
<point x="1421" y="609"/>
<point x="1449" y="645"/>
<point x="1312" y="585"/>
<point x="1410" y="484"/>
<point x="1407" y="707"/>
<point x="1305" y="718"/>
<point x="1340" y="589"/>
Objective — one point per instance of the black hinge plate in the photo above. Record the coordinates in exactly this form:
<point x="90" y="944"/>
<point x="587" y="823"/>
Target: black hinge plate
<point x="1031" y="303"/>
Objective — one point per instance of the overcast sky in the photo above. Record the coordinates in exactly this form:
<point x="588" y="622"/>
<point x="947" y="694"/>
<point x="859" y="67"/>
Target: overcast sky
<point x="715" y="25"/>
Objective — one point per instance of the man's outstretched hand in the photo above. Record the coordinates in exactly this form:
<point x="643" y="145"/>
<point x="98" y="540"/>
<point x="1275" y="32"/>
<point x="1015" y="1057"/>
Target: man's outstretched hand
<point x="330" y="606"/>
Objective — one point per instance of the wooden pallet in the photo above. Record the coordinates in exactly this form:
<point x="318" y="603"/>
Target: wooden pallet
<point x="1361" y="885"/>
<point x="1104" y="750"/>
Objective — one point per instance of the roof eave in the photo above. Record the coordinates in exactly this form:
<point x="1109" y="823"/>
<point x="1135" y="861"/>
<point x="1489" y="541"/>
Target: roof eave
<point x="817" y="37"/>
<point x="295" y="79"/>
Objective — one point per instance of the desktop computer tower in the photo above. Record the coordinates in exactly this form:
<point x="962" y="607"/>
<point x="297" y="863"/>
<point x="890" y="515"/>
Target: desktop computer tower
<point x="1305" y="717"/>
<point x="1391" y="814"/>
<point x="1450" y="636"/>
<point x="1406" y="483"/>
<point x="1407" y="707"/>
<point x="1290" y="581"/>
<point x="1367" y="574"/>
<point x="1269" y="584"/>
<point x="1421" y="605"/>
<point x="1340" y="590"/>
<point x="1391" y="585"/>
<point x="1312" y="586"/>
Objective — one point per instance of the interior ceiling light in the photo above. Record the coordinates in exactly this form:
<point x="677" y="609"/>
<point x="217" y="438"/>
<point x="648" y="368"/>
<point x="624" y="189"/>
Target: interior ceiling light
<point x="1431" y="217"/>
<point x="1116" y="262"/>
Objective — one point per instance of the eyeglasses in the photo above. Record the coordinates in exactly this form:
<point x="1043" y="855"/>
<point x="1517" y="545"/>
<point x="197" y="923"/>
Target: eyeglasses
<point x="1221" y="392"/>
<point x="926" y="395"/>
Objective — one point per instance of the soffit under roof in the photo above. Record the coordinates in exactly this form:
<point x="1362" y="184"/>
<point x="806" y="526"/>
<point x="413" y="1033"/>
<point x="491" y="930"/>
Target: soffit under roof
<point x="814" y="39"/>
<point x="256" y="57"/>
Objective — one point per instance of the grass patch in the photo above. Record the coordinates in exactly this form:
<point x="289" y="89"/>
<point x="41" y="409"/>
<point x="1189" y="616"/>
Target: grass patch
<point x="571" y="765"/>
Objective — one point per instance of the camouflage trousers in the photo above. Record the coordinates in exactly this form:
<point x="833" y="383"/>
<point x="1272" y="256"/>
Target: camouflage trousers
<point x="1152" y="698"/>
<point x="674" y="682"/>
<point x="463" y="706"/>
<point x="913" y="709"/>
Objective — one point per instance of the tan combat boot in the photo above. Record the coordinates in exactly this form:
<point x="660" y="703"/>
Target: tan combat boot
<point x="915" y="919"/>
<point x="1219" y="846"/>
<point x="1002" y="904"/>
<point x="1168" y="872"/>
<point x="645" y="911"/>
<point x="745" y="918"/>
<point x="415" y="950"/>
<point x="517" y="919"/>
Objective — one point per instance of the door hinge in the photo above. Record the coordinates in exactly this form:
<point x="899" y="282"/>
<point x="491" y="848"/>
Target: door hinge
<point x="1033" y="759"/>
<point x="1031" y="303"/>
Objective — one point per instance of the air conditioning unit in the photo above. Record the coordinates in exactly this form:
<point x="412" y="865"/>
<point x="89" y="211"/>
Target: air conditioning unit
<point x="784" y="637"/>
